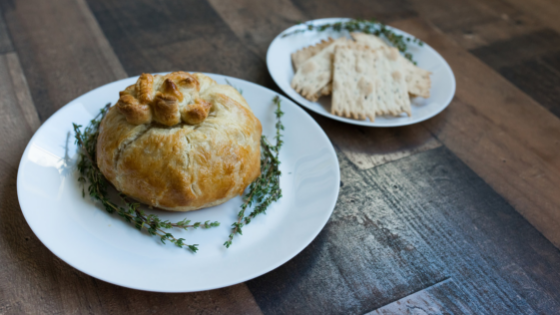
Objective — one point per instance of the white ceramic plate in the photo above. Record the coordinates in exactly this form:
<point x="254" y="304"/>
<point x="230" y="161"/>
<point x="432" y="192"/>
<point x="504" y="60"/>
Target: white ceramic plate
<point x="106" y="247"/>
<point x="278" y="60"/>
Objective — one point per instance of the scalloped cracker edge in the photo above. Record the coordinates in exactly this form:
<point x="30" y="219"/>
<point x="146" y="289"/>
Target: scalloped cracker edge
<point x="368" y="82"/>
<point x="353" y="82"/>
<point x="313" y="78"/>
<point x="302" y="55"/>
<point x="418" y="79"/>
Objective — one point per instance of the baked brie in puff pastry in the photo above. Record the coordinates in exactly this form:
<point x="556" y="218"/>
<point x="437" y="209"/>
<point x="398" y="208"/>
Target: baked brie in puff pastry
<point x="180" y="142"/>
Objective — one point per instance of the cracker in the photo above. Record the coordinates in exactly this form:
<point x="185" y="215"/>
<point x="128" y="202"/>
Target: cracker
<point x="371" y="41"/>
<point x="391" y="87"/>
<point x="300" y="56"/>
<point x="367" y="83"/>
<point x="418" y="79"/>
<point x="353" y="82"/>
<point x="313" y="77"/>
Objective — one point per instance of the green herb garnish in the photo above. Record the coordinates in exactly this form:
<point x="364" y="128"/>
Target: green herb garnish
<point x="371" y="26"/>
<point x="266" y="188"/>
<point x="130" y="211"/>
<point x="262" y="192"/>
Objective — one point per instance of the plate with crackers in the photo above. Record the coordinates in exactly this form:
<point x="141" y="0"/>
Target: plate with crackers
<point x="361" y="72"/>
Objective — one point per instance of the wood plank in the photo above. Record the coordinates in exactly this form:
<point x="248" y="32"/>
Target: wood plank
<point x="440" y="298"/>
<point x="539" y="78"/>
<point x="84" y="293"/>
<point x="500" y="132"/>
<point x="17" y="110"/>
<point x="475" y="23"/>
<point x="383" y="10"/>
<point x="546" y="11"/>
<point x="252" y="22"/>
<point x="21" y="91"/>
<point x="369" y="147"/>
<point x="508" y="36"/>
<point x="22" y="257"/>
<point x="5" y="41"/>
<point x="408" y="225"/>
<point x="175" y="35"/>
<point x="531" y="62"/>
<point x="101" y="41"/>
<point x="518" y="49"/>
<point x="59" y="53"/>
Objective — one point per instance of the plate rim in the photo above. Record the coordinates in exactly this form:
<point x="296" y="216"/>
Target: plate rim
<point x="295" y="252"/>
<point x="348" y="120"/>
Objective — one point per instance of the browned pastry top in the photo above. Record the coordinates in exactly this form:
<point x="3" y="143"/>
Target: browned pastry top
<point x="180" y="142"/>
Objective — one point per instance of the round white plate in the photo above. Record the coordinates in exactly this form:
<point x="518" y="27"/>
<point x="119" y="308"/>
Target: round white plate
<point x="279" y="62"/>
<point x="106" y="247"/>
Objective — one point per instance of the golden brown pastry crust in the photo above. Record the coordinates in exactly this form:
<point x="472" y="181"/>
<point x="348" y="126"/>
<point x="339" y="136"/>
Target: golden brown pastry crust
<point x="197" y="112"/>
<point x="134" y="112"/>
<point x="192" y="154"/>
<point x="166" y="109"/>
<point x="145" y="88"/>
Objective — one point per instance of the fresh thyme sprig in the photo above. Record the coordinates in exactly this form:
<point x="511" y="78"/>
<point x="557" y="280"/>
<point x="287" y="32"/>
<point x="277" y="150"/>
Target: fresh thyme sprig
<point x="371" y="26"/>
<point x="266" y="189"/>
<point x="130" y="211"/>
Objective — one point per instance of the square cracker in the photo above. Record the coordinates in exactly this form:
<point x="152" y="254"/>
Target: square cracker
<point x="312" y="79"/>
<point x="418" y="79"/>
<point x="354" y="82"/>
<point x="368" y="82"/>
<point x="392" y="90"/>
<point x="301" y="56"/>
<point x="371" y="41"/>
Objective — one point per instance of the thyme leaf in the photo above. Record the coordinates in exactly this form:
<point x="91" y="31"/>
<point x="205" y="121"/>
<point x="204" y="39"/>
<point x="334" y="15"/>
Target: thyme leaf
<point x="266" y="188"/>
<point x="371" y="26"/>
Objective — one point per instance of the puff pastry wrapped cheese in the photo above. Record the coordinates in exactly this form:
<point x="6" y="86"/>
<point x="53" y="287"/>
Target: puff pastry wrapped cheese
<point x="180" y="142"/>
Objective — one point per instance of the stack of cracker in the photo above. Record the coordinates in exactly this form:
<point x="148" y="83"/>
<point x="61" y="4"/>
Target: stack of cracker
<point x="366" y="77"/>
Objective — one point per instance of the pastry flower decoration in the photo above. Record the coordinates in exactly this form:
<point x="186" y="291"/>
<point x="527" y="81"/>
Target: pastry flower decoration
<point x="166" y="100"/>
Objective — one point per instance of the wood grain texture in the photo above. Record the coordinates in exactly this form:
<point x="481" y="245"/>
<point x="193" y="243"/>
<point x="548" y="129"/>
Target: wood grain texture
<point x="539" y="78"/>
<point x="109" y="57"/>
<point x="474" y="23"/>
<point x="252" y="22"/>
<point x="546" y="11"/>
<point x="369" y="147"/>
<point x="5" y="41"/>
<point x="427" y="302"/>
<point x="19" y="120"/>
<point x="406" y="226"/>
<point x="509" y="35"/>
<point x="531" y="62"/>
<point x="20" y="89"/>
<point x="501" y="133"/>
<point x="175" y="35"/>
<point x="385" y="11"/>
<point x="59" y="53"/>
<point x="22" y="256"/>
<point x="511" y="52"/>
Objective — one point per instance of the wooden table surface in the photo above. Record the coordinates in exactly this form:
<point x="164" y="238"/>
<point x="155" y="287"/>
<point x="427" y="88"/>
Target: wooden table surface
<point x="456" y="215"/>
